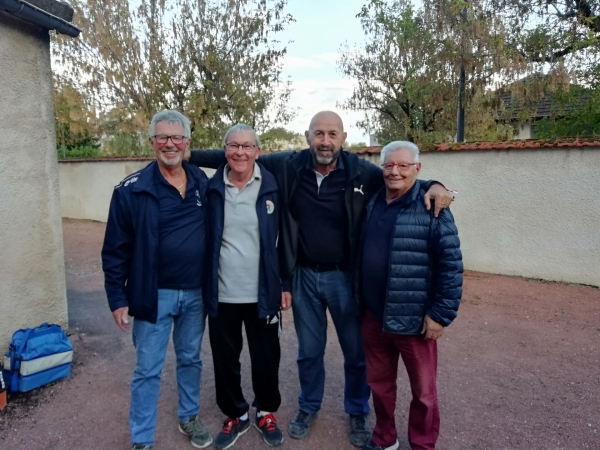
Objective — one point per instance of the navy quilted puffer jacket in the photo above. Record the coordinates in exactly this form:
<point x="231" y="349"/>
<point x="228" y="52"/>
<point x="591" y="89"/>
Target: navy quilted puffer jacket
<point x="425" y="273"/>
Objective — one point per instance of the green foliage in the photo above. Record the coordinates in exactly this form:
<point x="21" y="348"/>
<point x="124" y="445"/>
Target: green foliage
<point x="279" y="138"/>
<point x="78" y="151"/>
<point x="122" y="143"/>
<point x="218" y="62"/>
<point x="407" y="73"/>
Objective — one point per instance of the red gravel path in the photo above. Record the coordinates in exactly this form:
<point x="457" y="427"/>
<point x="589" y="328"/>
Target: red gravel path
<point x="519" y="369"/>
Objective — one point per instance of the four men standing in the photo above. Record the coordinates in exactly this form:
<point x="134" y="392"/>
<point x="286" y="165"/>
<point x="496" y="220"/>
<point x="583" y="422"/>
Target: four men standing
<point x="315" y="200"/>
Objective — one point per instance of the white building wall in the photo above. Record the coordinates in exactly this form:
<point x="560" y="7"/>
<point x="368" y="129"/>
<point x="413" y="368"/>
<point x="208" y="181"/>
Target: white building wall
<point x="32" y="278"/>
<point x="530" y="213"/>
<point x="86" y="187"/>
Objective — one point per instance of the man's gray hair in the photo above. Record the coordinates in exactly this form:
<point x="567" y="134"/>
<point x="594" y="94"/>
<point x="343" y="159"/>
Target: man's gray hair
<point x="238" y="129"/>
<point x="171" y="116"/>
<point x="398" y="145"/>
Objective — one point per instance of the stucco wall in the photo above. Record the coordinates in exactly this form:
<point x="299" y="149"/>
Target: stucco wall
<point x="531" y="213"/>
<point x="32" y="279"/>
<point x="86" y="187"/>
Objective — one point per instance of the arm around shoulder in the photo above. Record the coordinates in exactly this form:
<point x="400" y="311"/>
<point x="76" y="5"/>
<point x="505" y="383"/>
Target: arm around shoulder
<point x="212" y="158"/>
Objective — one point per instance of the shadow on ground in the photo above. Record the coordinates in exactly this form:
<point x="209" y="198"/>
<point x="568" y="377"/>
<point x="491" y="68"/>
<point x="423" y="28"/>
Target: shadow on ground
<point x="519" y="369"/>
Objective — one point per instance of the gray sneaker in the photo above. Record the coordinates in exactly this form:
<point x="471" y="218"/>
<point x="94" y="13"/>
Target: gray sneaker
<point x="300" y="424"/>
<point x="141" y="447"/>
<point x="360" y="432"/>
<point x="193" y="428"/>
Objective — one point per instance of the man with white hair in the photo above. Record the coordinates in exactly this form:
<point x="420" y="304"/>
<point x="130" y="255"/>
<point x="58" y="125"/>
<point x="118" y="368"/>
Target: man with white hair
<point x="153" y="262"/>
<point x="409" y="284"/>
<point x="244" y="287"/>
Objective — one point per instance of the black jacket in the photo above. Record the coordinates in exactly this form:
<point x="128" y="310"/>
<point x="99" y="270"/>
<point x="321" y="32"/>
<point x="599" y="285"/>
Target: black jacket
<point x="130" y="250"/>
<point x="363" y="180"/>
<point x="269" y="285"/>
<point x="425" y="267"/>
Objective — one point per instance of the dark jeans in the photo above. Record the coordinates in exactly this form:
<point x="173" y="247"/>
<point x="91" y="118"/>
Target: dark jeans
<point x="420" y="359"/>
<point x="226" y="342"/>
<point x="313" y="293"/>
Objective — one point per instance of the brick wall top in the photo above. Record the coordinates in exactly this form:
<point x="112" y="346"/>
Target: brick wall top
<point x="517" y="144"/>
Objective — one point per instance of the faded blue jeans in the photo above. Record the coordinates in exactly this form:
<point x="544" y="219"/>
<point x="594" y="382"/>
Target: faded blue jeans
<point x="183" y="311"/>
<point x="314" y="292"/>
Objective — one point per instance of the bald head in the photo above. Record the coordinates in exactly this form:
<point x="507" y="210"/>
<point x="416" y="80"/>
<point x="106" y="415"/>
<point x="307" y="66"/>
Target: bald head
<point x="325" y="137"/>
<point x="326" y="117"/>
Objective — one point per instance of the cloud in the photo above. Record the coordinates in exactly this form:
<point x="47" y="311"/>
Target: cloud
<point x="313" y="95"/>
<point x="297" y="62"/>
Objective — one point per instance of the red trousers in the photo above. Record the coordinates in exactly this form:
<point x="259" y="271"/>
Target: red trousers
<point x="382" y="351"/>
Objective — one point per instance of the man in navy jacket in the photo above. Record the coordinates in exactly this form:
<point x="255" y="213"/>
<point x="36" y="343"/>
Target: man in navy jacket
<point x="410" y="284"/>
<point x="243" y="286"/>
<point x="153" y="262"/>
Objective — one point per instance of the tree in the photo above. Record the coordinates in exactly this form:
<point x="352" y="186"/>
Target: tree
<point x="216" y="61"/>
<point x="407" y="73"/>
<point x="279" y="138"/>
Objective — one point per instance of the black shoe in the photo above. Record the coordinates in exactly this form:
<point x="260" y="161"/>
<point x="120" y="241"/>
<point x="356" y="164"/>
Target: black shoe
<point x="267" y="425"/>
<point x="300" y="424"/>
<point x="141" y="447"/>
<point x="360" y="433"/>
<point x="372" y="446"/>
<point x="232" y="430"/>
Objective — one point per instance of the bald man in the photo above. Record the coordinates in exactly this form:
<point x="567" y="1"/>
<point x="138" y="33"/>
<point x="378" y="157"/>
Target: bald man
<point x="323" y="190"/>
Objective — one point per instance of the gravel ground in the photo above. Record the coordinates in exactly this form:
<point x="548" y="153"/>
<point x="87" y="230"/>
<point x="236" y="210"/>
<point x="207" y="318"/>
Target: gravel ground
<point x="519" y="369"/>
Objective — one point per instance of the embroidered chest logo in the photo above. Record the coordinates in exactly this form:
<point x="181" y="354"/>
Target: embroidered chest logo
<point x="270" y="207"/>
<point x="359" y="190"/>
<point x="198" y="202"/>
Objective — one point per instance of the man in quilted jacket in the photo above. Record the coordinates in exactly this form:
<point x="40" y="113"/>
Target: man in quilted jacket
<point x="410" y="285"/>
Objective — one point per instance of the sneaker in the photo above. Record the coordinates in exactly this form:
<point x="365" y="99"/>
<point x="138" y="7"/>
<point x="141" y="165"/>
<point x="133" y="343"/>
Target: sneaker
<point x="360" y="433"/>
<point x="267" y="425"/>
<point x="300" y="424"/>
<point x="373" y="446"/>
<point x="193" y="428"/>
<point x="232" y="430"/>
<point x="141" y="447"/>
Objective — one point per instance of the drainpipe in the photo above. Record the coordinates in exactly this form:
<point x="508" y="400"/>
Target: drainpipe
<point x="44" y="19"/>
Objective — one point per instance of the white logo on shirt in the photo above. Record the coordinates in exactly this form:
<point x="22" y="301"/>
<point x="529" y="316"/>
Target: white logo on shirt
<point x="359" y="190"/>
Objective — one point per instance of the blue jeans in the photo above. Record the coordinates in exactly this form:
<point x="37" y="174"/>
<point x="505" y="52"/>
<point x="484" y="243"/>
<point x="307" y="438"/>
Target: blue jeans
<point x="184" y="310"/>
<point x="312" y="293"/>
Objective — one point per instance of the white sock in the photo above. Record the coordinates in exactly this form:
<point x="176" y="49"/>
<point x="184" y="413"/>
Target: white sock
<point x="262" y="413"/>
<point x="244" y="417"/>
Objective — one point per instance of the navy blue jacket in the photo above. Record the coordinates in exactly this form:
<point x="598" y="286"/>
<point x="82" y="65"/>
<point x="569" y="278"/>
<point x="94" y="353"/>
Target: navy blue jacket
<point x="130" y="250"/>
<point x="269" y="286"/>
<point x="425" y="273"/>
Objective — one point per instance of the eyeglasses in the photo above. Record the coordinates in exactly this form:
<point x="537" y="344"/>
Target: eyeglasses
<point x="402" y="167"/>
<point x="233" y="147"/>
<point x="176" y="139"/>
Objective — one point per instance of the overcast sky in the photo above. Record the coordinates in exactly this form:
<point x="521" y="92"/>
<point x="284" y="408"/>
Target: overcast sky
<point x="321" y="27"/>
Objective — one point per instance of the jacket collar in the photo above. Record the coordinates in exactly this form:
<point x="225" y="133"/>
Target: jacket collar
<point x="146" y="179"/>
<point x="268" y="183"/>
<point x="347" y="161"/>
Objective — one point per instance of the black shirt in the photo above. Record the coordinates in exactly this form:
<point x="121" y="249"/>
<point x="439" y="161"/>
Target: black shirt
<point x="321" y="215"/>
<point x="182" y="229"/>
<point x="376" y="251"/>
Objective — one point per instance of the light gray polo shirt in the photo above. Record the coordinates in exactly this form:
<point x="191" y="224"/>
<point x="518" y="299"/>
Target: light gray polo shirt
<point x="239" y="258"/>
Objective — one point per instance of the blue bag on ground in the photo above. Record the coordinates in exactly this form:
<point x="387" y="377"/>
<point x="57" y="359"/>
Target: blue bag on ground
<point x="37" y="356"/>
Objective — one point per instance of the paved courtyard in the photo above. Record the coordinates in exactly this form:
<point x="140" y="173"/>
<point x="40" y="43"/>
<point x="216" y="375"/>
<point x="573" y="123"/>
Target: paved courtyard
<point x="519" y="369"/>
